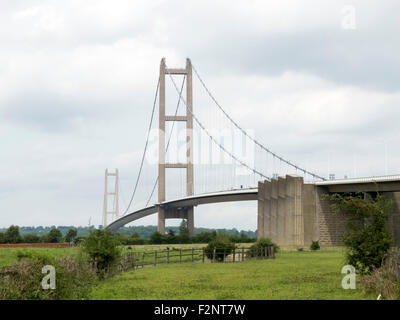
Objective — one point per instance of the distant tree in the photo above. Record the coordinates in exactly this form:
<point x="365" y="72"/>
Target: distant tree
<point x="12" y="234"/>
<point x="204" y="237"/>
<point x="171" y="232"/>
<point x="54" y="236"/>
<point x="183" y="229"/>
<point x="2" y="237"/>
<point x="183" y="232"/>
<point x="31" y="238"/>
<point x="156" y="238"/>
<point x="71" y="235"/>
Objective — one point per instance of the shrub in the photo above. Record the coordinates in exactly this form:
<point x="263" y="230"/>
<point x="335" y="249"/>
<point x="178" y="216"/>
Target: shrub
<point x="103" y="248"/>
<point x="386" y="279"/>
<point x="23" y="280"/>
<point x="222" y="246"/>
<point x="367" y="237"/>
<point x="315" y="246"/>
<point x="258" y="249"/>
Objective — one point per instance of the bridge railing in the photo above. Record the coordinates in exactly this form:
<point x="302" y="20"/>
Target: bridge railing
<point x="140" y="259"/>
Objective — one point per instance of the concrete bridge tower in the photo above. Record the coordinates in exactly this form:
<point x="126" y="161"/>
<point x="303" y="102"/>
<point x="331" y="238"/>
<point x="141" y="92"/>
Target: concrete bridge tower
<point x="165" y="212"/>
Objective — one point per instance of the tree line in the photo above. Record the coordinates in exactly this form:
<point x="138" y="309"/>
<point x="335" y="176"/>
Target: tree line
<point x="13" y="235"/>
<point x="180" y="235"/>
<point x="174" y="235"/>
<point x="143" y="231"/>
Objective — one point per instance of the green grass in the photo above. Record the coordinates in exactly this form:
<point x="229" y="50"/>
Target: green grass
<point x="292" y="275"/>
<point x="9" y="255"/>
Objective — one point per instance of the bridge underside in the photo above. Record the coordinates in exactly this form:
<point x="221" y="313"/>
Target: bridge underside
<point x="177" y="208"/>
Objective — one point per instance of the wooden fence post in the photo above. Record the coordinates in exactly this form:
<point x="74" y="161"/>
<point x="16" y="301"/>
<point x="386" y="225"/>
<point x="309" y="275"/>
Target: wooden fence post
<point x="192" y="254"/>
<point x="213" y="260"/>
<point x="203" y="255"/>
<point x="155" y="257"/>
<point x="242" y="254"/>
<point x="180" y="255"/>
<point x="168" y="255"/>
<point x="234" y="254"/>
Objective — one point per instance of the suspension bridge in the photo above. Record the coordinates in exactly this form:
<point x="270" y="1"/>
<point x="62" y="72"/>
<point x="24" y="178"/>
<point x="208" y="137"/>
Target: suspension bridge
<point x="219" y="161"/>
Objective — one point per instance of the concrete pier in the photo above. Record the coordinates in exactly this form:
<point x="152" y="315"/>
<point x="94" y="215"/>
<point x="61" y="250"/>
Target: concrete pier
<point x="291" y="212"/>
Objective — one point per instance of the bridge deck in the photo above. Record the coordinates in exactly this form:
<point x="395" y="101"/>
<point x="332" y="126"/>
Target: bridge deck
<point x="371" y="184"/>
<point x="207" y="198"/>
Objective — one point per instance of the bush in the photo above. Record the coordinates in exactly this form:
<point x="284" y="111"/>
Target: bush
<point x="23" y="280"/>
<point x="386" y="279"/>
<point x="367" y="237"/>
<point x="103" y="248"/>
<point x="258" y="249"/>
<point x="222" y="246"/>
<point x="315" y="246"/>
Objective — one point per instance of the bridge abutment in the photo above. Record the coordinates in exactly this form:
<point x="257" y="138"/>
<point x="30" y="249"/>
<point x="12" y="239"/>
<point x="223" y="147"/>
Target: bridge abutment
<point x="291" y="212"/>
<point x="281" y="210"/>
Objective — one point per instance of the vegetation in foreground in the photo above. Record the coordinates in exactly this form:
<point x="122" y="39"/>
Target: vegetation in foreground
<point x="367" y="237"/>
<point x="369" y="243"/>
<point x="23" y="279"/>
<point x="291" y="276"/>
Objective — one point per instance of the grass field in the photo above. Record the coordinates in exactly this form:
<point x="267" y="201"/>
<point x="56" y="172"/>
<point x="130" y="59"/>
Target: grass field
<point x="9" y="255"/>
<point x="292" y="275"/>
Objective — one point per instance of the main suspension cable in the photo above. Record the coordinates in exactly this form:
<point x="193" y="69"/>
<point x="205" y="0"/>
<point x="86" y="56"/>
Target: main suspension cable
<point x="145" y="148"/>
<point x="212" y="138"/>
<point x="247" y="135"/>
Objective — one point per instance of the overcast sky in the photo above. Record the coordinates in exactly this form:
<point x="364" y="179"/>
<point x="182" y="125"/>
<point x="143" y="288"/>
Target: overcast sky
<point x="317" y="82"/>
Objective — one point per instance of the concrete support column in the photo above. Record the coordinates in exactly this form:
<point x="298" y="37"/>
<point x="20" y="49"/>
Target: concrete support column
<point x="190" y="221"/>
<point x="267" y="209"/>
<point x="161" y="150"/>
<point x="282" y="211"/>
<point x="310" y="214"/>
<point x="274" y="210"/>
<point x="162" y="212"/>
<point x="260" y="211"/>
<point x="294" y="190"/>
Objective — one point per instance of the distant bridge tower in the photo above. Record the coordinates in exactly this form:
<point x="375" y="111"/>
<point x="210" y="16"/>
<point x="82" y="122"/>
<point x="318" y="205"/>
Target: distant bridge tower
<point x="114" y="212"/>
<point x="185" y="212"/>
